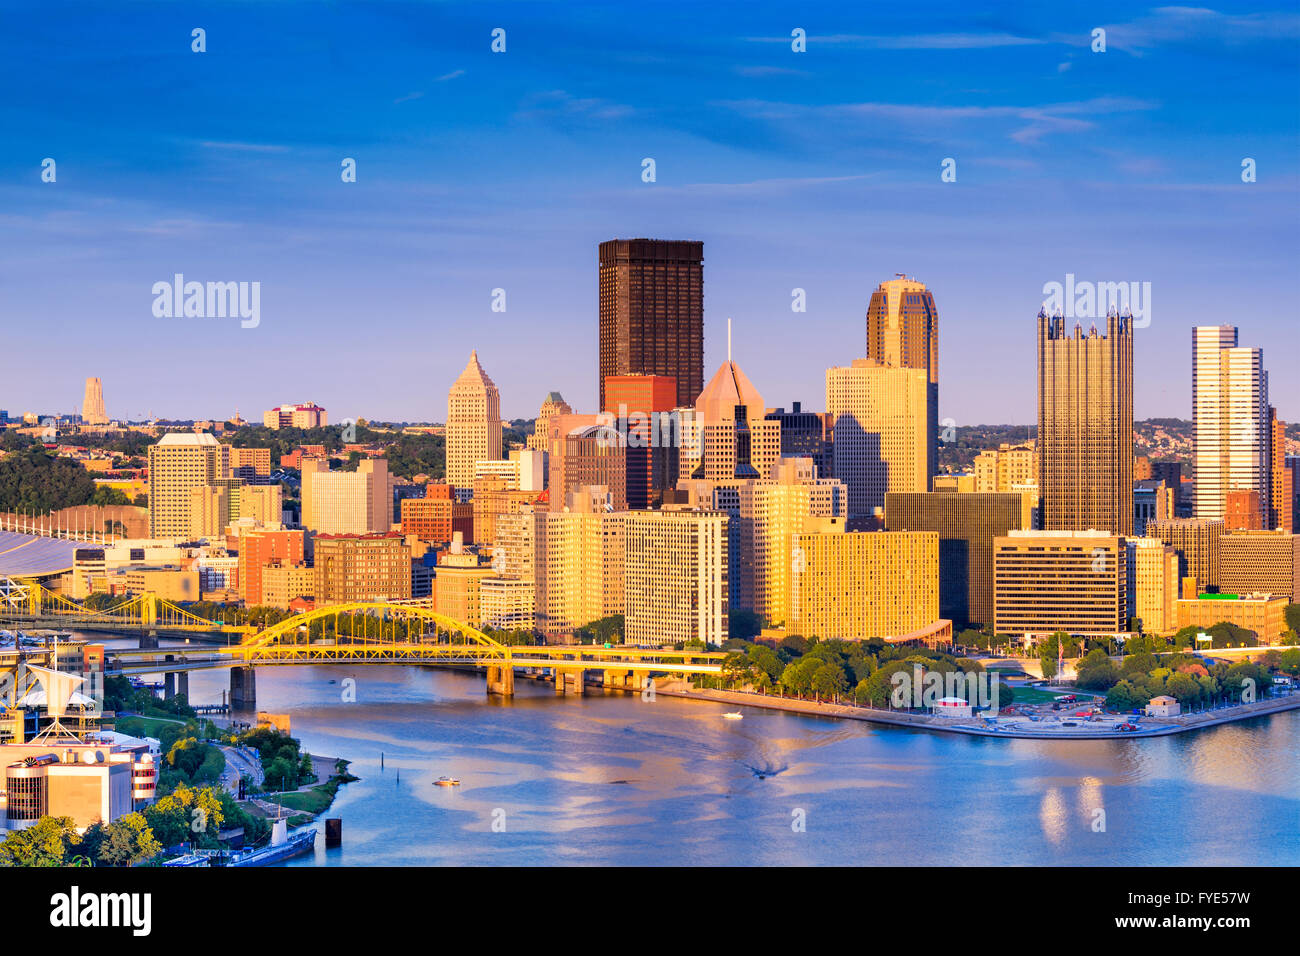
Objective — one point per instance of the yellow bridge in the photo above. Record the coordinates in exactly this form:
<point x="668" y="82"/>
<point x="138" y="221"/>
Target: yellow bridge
<point x="409" y="633"/>
<point x="28" y="603"/>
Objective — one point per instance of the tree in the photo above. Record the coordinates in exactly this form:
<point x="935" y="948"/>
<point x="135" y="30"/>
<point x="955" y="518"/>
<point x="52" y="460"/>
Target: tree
<point x="828" y="680"/>
<point x="47" y="842"/>
<point x="743" y="624"/>
<point x="1185" y="688"/>
<point x="128" y="841"/>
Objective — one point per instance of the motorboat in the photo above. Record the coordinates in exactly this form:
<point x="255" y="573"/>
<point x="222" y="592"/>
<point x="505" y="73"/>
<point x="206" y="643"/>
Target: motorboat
<point x="733" y="715"/>
<point x="446" y="782"/>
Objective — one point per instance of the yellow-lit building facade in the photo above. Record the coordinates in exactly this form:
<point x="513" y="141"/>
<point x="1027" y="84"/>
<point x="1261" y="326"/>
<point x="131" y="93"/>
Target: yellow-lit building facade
<point x="1049" y="581"/>
<point x="857" y="585"/>
<point x="675" y="577"/>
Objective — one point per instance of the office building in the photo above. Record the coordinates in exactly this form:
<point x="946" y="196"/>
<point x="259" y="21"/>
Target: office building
<point x="652" y="313"/>
<point x="1230" y="420"/>
<point x="259" y="459"/>
<point x="554" y="404"/>
<point x="1154" y="579"/>
<point x="1085" y="426"/>
<point x="1281" y="480"/>
<point x="1260" y="562"/>
<point x="805" y="435"/>
<point x="879" y="417"/>
<point x="1261" y="613"/>
<point x="1198" y="543"/>
<point x="903" y="331"/>
<point x="729" y="438"/>
<point x="473" y="423"/>
<point x="507" y="604"/>
<point x="966" y="525"/>
<point x="283" y="584"/>
<point x="856" y="585"/>
<point x="1071" y="581"/>
<point x="457" y="585"/>
<point x="586" y="450"/>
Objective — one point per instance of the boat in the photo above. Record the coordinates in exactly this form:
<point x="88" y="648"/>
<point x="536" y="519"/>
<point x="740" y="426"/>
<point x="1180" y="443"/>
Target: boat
<point x="733" y="715"/>
<point x="284" y="846"/>
<point x="446" y="782"/>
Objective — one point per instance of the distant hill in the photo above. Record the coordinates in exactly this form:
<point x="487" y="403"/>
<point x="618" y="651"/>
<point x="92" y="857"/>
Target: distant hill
<point x="1162" y="439"/>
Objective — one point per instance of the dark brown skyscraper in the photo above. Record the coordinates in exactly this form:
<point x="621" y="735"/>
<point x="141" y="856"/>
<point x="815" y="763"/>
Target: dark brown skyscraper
<point x="1085" y="426"/>
<point x="652" y="312"/>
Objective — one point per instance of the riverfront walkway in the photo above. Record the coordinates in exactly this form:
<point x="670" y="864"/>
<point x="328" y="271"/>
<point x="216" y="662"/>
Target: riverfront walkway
<point x="1006" y="727"/>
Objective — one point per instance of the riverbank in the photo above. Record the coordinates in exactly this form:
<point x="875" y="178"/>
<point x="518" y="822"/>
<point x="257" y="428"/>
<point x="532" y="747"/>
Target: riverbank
<point x="978" y="727"/>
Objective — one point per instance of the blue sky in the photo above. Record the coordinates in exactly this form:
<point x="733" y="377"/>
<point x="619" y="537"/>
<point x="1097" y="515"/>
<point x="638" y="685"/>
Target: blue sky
<point x="817" y="170"/>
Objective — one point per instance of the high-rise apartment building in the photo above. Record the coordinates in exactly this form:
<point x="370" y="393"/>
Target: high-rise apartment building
<point x="473" y="423"/>
<point x="966" y="525"/>
<point x="675" y="577"/>
<point x="347" y="502"/>
<point x="879" y="417"/>
<point x="857" y="585"/>
<point x="361" y="567"/>
<point x="1071" y="581"/>
<point x="1198" y="542"/>
<point x="92" y="406"/>
<point x="579" y="564"/>
<point x="1230" y="420"/>
<point x="771" y="511"/>
<point x="652" y="313"/>
<point x="903" y="331"/>
<point x="178" y="464"/>
<point x="259" y="459"/>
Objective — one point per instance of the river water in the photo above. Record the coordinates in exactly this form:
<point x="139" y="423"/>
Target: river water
<point x="618" y="780"/>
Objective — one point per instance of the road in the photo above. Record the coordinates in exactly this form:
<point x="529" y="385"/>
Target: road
<point x="240" y="763"/>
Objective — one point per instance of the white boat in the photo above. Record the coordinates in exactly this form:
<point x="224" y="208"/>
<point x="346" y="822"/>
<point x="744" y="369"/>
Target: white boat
<point x="446" y="782"/>
<point x="734" y="715"/>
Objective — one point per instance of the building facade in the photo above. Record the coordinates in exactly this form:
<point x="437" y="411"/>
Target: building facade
<point x="652" y="313"/>
<point x="1230" y="420"/>
<point x="675" y="577"/>
<point x="1071" y="581"/>
<point x="1085" y="426"/>
<point x="473" y="423"/>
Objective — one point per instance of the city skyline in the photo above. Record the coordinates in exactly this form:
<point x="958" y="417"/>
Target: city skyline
<point x="1122" y="166"/>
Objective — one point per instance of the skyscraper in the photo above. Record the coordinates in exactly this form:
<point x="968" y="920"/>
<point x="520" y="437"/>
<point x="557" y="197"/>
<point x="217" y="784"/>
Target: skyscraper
<point x="879" y="415"/>
<point x="1085" y="426"/>
<point x="347" y="502"/>
<point x="903" y="331"/>
<point x="92" y="408"/>
<point x="652" y="312"/>
<point x="473" y="423"/>
<point x="178" y="464"/>
<point x="1230" y="420"/>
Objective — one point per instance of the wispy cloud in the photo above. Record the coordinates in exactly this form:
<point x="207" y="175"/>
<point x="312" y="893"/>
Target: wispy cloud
<point x="1192" y="26"/>
<point x="919" y="41"/>
<point x="754" y="71"/>
<point x="407" y="98"/>
<point x="245" y="147"/>
<point x="565" y="107"/>
<point x="450" y="76"/>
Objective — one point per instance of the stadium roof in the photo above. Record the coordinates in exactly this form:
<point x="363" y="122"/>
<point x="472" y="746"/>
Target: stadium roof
<point x="31" y="555"/>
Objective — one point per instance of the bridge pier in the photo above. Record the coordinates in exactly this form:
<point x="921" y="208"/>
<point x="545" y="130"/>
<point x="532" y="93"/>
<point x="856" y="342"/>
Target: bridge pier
<point x="616" y="680"/>
<point x="569" y="681"/>
<point x="183" y="684"/>
<point x="501" y="680"/>
<point x="169" y="685"/>
<point x="149" y="642"/>
<point x="243" y="688"/>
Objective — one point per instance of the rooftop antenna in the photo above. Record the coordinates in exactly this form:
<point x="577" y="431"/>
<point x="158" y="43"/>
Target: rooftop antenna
<point x="728" y="339"/>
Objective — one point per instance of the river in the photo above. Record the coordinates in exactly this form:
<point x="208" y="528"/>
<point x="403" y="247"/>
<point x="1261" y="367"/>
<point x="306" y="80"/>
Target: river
<point x="619" y="780"/>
